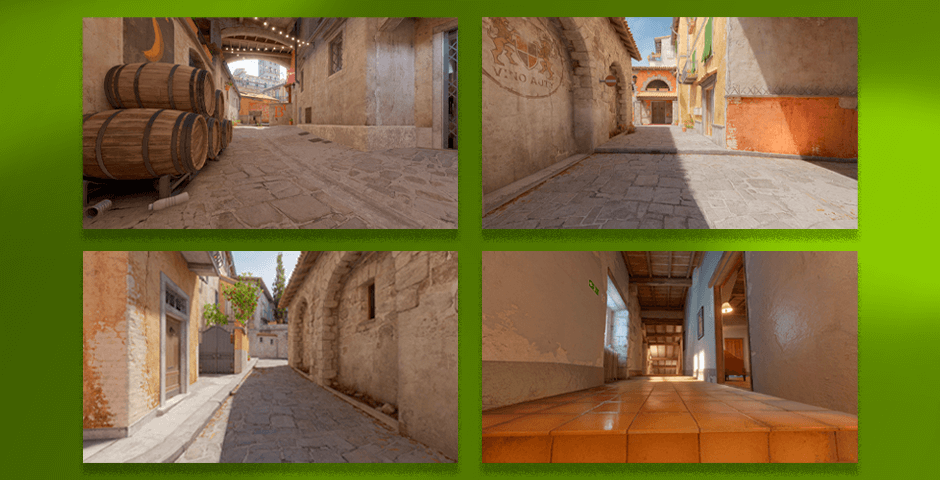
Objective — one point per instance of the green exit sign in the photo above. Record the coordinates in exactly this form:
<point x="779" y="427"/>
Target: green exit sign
<point x="594" y="287"/>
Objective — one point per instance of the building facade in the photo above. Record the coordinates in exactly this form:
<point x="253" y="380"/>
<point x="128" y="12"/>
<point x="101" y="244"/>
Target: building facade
<point x="266" y="338"/>
<point x="655" y="96"/>
<point x="384" y="325"/>
<point x="665" y="54"/>
<point x="776" y="85"/>
<point x="544" y="92"/>
<point x="141" y="318"/>
<point x="378" y="83"/>
<point x="107" y="42"/>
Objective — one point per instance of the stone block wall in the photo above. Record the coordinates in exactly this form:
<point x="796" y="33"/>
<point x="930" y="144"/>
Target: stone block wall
<point x="406" y="355"/>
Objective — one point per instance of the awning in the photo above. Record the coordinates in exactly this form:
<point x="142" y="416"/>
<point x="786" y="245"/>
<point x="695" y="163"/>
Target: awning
<point x="656" y="95"/>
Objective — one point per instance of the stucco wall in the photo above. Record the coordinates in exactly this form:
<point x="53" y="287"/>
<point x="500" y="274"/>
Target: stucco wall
<point x="528" y="113"/>
<point x="811" y="53"/>
<point x="542" y="106"/>
<point x="699" y="355"/>
<point x="144" y="329"/>
<point x="803" y="310"/>
<point x="543" y="326"/>
<point x="340" y="98"/>
<point x="104" y="340"/>
<point x="390" y="69"/>
<point x="817" y="126"/>
<point x="642" y="108"/>
<point x="429" y="86"/>
<point x="692" y="96"/>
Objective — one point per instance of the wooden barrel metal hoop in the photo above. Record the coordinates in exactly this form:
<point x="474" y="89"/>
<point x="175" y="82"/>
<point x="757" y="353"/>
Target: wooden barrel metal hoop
<point x="100" y="139"/>
<point x="169" y="87"/>
<point x="145" y="145"/>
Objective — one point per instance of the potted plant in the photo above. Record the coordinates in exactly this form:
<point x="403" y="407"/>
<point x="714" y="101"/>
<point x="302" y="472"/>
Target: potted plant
<point x="689" y="124"/>
<point x="290" y="121"/>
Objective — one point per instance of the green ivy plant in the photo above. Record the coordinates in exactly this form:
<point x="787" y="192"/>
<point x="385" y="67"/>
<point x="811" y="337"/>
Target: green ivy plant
<point x="243" y="296"/>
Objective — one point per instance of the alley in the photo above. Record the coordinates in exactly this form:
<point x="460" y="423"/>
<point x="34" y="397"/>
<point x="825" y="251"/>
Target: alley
<point x="696" y="186"/>
<point x="284" y="177"/>
<point x="278" y="416"/>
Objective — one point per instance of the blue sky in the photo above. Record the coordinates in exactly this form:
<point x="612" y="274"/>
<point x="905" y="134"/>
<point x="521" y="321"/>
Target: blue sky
<point x="644" y="30"/>
<point x="264" y="265"/>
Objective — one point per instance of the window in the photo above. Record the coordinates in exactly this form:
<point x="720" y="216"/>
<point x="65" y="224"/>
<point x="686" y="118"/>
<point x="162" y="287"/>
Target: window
<point x="372" y="300"/>
<point x="657" y="86"/>
<point x="708" y="39"/>
<point x="336" y="54"/>
<point x="308" y="113"/>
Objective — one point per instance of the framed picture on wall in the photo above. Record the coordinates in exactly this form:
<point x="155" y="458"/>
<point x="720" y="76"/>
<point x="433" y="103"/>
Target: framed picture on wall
<point x="701" y="322"/>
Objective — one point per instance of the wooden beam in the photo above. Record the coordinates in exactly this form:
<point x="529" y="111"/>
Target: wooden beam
<point x="649" y="265"/>
<point x="662" y="321"/>
<point x="660" y="313"/>
<point x="663" y="282"/>
<point x="669" y="272"/>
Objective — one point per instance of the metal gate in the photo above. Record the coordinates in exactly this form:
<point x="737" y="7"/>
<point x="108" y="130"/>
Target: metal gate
<point x="217" y="351"/>
<point x="450" y="88"/>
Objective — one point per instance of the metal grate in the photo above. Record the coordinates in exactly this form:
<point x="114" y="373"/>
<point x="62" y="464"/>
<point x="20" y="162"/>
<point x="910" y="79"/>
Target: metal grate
<point x="451" y="85"/>
<point x="175" y="302"/>
<point x="336" y="55"/>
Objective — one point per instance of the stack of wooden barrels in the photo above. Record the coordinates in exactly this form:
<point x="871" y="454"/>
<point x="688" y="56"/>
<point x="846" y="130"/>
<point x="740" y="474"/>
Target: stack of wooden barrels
<point x="167" y="120"/>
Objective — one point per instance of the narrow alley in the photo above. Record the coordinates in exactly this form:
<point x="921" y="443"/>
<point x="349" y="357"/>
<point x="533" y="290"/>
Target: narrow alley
<point x="670" y="357"/>
<point x="277" y="416"/>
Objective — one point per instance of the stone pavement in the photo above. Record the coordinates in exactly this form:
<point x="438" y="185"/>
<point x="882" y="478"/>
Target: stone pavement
<point x="282" y="177"/>
<point x="688" y="191"/>
<point x="163" y="438"/>
<point x="277" y="416"/>
<point x="659" y="139"/>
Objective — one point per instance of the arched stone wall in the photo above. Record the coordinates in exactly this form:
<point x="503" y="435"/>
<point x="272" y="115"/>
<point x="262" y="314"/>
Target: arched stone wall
<point x="667" y="80"/>
<point x="296" y="328"/>
<point x="325" y="329"/>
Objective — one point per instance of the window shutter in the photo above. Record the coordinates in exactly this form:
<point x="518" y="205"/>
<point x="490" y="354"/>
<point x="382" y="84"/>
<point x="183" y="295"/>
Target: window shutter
<point x="693" y="62"/>
<point x="708" y="39"/>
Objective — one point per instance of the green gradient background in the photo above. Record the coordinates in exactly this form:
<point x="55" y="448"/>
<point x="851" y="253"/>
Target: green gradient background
<point x="42" y="235"/>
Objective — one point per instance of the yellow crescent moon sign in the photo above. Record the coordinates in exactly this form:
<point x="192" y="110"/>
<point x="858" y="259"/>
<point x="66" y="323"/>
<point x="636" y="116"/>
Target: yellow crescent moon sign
<point x="156" y="52"/>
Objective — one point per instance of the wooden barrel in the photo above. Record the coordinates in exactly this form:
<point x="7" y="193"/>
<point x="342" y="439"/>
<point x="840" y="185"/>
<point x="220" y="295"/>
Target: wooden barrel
<point x="214" y="140"/>
<point x="230" y="130"/>
<point x="224" y="133"/>
<point x="219" y="106"/>
<point x="141" y="143"/>
<point x="160" y="85"/>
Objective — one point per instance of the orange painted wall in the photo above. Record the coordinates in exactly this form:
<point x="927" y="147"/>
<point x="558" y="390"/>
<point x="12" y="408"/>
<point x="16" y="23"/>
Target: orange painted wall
<point x="793" y="125"/>
<point x="643" y="75"/>
<point x="247" y="105"/>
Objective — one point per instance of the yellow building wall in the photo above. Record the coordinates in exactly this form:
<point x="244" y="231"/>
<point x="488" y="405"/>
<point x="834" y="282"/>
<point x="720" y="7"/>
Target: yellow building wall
<point x="690" y="96"/>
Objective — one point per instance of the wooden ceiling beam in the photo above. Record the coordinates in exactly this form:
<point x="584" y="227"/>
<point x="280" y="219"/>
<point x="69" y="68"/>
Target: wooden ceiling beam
<point x="663" y="282"/>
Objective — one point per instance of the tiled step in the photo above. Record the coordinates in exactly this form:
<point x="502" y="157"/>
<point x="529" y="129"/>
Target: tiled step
<point x="667" y="420"/>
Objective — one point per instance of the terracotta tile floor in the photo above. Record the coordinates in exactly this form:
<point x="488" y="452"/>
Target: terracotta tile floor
<point x="667" y="420"/>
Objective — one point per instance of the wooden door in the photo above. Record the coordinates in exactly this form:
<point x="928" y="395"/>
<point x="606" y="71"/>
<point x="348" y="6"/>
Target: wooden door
<point x="172" y="378"/>
<point x="659" y="113"/>
<point x="734" y="356"/>
<point x="735" y="346"/>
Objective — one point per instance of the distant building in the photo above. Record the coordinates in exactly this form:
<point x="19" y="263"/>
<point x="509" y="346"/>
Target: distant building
<point x="268" y="76"/>
<point x="665" y="54"/>
<point x="654" y="96"/>
<point x="266" y="338"/>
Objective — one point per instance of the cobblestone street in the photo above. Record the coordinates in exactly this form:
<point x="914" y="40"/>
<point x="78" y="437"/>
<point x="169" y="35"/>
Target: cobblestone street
<point x="277" y="416"/>
<point x="634" y="190"/>
<point x="283" y="177"/>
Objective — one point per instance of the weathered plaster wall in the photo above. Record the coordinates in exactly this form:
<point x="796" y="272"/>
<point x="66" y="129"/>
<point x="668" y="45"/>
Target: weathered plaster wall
<point x="390" y="70"/>
<point x="699" y="355"/>
<point x="634" y="334"/>
<point x="104" y="340"/>
<point x="543" y="326"/>
<point x="691" y="97"/>
<point x="426" y="302"/>
<point x="102" y="48"/>
<point x="270" y="342"/>
<point x="143" y="304"/>
<point x="816" y="54"/>
<point x="340" y="98"/>
<point x="528" y="113"/>
<point x="814" y="126"/>
<point x="643" y="114"/>
<point x="368" y="347"/>
<point x="542" y="103"/>
<point x="803" y="310"/>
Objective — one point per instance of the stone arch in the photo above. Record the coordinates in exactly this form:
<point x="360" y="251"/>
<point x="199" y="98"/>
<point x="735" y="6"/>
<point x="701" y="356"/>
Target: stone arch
<point x="297" y="332"/>
<point x="326" y="332"/>
<point x="622" y="98"/>
<point x="584" y="74"/>
<point x="662" y="78"/>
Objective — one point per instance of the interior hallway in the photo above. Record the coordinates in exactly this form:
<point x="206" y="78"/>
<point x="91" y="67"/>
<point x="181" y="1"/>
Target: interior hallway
<point x="670" y="356"/>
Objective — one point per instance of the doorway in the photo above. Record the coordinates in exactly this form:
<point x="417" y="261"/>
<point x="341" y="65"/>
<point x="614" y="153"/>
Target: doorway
<point x="616" y="333"/>
<point x="731" y="325"/>
<point x="450" y="88"/>
<point x="659" y="113"/>
<point x="709" y="116"/>
<point x="172" y="374"/>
